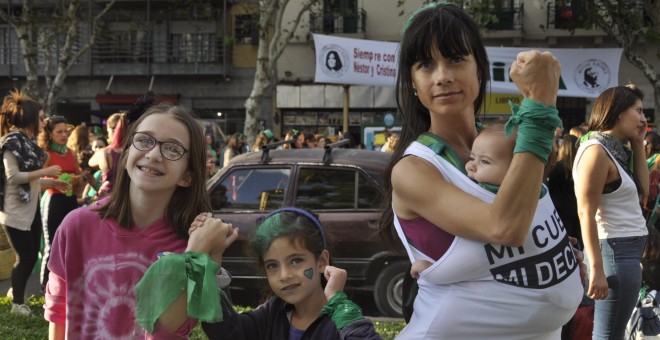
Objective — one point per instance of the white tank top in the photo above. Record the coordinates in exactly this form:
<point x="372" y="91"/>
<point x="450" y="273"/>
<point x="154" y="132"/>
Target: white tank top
<point x="619" y="213"/>
<point x="489" y="291"/>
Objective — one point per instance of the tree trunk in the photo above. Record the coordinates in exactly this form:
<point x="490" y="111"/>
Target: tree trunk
<point x="259" y="87"/>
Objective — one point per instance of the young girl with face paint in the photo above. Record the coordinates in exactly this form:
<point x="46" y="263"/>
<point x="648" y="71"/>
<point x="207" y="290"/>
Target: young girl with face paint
<point x="291" y="247"/>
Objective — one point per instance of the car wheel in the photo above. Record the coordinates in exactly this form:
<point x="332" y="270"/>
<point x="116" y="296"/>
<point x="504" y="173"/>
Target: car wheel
<point x="388" y="291"/>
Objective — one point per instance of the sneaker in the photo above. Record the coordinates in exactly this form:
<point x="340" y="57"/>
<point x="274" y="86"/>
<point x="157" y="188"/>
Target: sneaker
<point x="21" y="309"/>
<point x="10" y="293"/>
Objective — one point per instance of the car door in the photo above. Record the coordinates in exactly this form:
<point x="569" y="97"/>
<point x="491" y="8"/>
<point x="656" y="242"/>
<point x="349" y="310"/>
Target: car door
<point x="346" y="200"/>
<point x="240" y="196"/>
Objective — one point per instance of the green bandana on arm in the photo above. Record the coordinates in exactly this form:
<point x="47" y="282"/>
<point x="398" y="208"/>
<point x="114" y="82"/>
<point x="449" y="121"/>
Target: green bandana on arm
<point x="536" y="127"/>
<point x="166" y="279"/>
<point x="341" y="310"/>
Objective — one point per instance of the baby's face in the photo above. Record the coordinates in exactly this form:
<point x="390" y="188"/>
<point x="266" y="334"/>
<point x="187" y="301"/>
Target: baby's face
<point x="490" y="158"/>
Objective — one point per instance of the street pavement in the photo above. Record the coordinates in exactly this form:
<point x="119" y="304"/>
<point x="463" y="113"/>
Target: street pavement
<point x="33" y="286"/>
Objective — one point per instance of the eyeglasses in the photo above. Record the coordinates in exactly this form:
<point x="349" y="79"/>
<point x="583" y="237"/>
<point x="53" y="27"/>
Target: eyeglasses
<point x="170" y="150"/>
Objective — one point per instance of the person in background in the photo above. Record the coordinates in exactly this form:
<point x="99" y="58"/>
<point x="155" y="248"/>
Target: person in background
<point x="300" y="140"/>
<point x="323" y="141"/>
<point x="609" y="180"/>
<point x="233" y="149"/>
<point x="291" y="135"/>
<point x="100" y="252"/>
<point x="390" y="143"/>
<point x="211" y="156"/>
<point x="106" y="159"/>
<point x="440" y="215"/>
<point x="57" y="203"/>
<point x="651" y="202"/>
<point x="81" y="146"/>
<point x="651" y="145"/>
<point x="310" y="141"/>
<point x="263" y="138"/>
<point x="561" y="187"/>
<point x="111" y="124"/>
<point x="21" y="181"/>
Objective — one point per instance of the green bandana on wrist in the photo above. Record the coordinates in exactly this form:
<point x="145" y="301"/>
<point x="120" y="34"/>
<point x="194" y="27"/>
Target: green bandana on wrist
<point x="167" y="278"/>
<point x="341" y="310"/>
<point x="536" y="127"/>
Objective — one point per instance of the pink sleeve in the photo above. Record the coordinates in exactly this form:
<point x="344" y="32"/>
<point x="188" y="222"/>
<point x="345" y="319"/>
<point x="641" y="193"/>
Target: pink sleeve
<point x="55" y="294"/>
<point x="55" y="306"/>
<point x="182" y="333"/>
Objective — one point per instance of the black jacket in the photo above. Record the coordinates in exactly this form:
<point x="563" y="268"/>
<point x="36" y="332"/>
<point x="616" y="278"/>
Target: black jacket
<point x="270" y="321"/>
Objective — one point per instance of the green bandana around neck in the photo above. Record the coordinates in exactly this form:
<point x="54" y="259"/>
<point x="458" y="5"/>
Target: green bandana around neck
<point x="59" y="148"/>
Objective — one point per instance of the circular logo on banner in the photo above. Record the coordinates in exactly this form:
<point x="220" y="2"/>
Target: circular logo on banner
<point x="592" y="76"/>
<point x="388" y="119"/>
<point x="333" y="60"/>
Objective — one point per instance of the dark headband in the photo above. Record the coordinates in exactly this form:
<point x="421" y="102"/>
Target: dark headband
<point x="303" y="213"/>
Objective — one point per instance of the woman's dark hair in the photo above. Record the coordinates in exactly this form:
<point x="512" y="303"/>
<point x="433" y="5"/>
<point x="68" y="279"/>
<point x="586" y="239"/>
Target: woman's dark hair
<point x="450" y="30"/>
<point x="20" y="111"/>
<point x="186" y="202"/>
<point x="338" y="64"/>
<point x="47" y="134"/>
<point x="610" y="104"/>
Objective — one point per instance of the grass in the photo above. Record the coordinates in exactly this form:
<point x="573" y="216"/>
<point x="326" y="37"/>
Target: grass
<point x="14" y="326"/>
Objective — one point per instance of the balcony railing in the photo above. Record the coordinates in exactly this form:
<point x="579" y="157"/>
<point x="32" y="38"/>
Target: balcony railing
<point x="338" y="22"/>
<point x="509" y="18"/>
<point x="174" y="50"/>
<point x="179" y="49"/>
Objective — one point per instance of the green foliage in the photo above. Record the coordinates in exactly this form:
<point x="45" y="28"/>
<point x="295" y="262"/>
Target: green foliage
<point x="14" y="326"/>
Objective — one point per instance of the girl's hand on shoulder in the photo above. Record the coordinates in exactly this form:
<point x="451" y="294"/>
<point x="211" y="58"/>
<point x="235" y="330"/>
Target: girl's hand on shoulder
<point x="536" y="74"/>
<point x="336" y="278"/>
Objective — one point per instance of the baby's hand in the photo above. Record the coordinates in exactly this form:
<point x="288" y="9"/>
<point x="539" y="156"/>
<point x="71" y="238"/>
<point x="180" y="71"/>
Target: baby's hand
<point x="336" y="278"/>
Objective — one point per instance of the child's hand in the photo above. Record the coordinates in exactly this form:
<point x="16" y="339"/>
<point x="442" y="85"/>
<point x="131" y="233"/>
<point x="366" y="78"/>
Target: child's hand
<point x="336" y="278"/>
<point x="199" y="221"/>
<point x="212" y="237"/>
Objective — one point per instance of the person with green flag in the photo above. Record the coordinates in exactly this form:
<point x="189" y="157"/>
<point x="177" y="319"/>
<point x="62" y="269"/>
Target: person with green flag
<point x="101" y="251"/>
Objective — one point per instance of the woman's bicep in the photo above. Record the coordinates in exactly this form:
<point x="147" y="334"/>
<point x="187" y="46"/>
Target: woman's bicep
<point x="419" y="190"/>
<point x="592" y="169"/>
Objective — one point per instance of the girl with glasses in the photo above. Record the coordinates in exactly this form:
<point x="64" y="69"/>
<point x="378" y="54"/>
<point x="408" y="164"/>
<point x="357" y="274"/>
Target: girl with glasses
<point x="102" y="251"/>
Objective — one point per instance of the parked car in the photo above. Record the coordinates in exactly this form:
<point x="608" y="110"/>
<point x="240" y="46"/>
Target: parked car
<point x="343" y="187"/>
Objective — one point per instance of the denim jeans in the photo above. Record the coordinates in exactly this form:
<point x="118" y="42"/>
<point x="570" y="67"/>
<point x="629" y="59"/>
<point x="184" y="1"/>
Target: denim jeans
<point x="621" y="263"/>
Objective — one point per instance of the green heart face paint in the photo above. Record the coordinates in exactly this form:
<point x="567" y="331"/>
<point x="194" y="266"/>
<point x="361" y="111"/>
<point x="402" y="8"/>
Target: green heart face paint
<point x="309" y="272"/>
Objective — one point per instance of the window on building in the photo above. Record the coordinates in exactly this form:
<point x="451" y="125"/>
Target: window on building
<point x="245" y="29"/>
<point x="193" y="48"/>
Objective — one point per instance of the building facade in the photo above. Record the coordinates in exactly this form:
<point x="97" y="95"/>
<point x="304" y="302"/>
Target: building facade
<point x="204" y="57"/>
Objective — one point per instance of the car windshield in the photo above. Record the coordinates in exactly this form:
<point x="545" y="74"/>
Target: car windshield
<point x="252" y="189"/>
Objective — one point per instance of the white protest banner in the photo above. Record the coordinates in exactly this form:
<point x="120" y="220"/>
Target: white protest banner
<point x="355" y="61"/>
<point x="586" y="72"/>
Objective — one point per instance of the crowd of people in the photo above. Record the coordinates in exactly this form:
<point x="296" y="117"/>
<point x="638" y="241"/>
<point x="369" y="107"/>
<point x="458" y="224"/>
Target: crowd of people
<point x="131" y="250"/>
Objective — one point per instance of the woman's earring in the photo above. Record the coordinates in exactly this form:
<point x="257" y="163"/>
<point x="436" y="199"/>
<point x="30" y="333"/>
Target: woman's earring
<point x="415" y="92"/>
